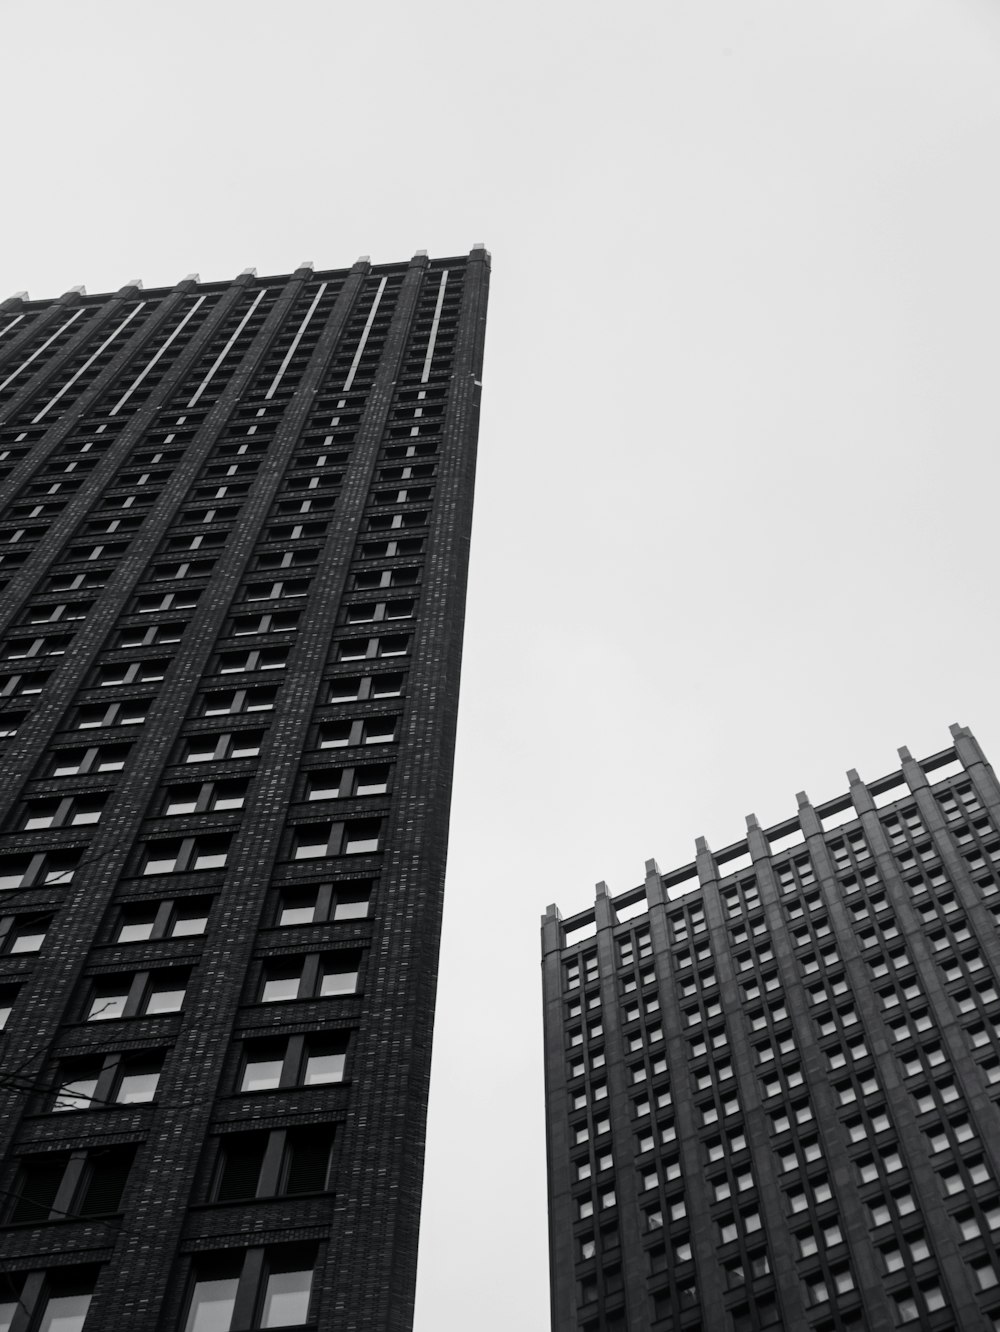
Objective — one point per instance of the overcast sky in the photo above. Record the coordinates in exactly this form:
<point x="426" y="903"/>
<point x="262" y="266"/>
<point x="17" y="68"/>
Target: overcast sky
<point x="738" y="491"/>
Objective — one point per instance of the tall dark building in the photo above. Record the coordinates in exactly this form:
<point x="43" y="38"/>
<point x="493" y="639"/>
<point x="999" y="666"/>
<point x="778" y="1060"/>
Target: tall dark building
<point x="773" y="1075"/>
<point x="233" y="543"/>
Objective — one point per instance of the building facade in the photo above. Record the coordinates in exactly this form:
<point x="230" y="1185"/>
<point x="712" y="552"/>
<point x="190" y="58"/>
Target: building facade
<point x="234" y="534"/>
<point x="772" y="1075"/>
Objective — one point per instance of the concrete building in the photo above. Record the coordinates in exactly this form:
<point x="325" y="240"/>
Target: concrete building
<point x="772" y="1075"/>
<point x="233" y="546"/>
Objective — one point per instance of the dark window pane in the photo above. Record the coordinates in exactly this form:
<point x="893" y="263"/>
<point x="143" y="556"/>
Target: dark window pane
<point x="103" y="1188"/>
<point x="242" y="1157"/>
<point x="308" y="1160"/>
<point x="37" y="1188"/>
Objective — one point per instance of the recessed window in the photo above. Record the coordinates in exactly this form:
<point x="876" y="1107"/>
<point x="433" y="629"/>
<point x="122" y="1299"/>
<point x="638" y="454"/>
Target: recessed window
<point x="262" y="1070"/>
<point x="76" y="762"/>
<point x="379" y="731"/>
<point x="138" y="1085"/>
<point x="70" y="812"/>
<point x="112" y="1080"/>
<point x="219" y="703"/>
<point x="282" y="1161"/>
<point x="202" y="797"/>
<point x="59" y="1304"/>
<point x="297" y="1062"/>
<point x="298" y="907"/>
<point x="170" y="919"/>
<point x="8" y="995"/>
<point x="83" y="1184"/>
<point x="214" y="748"/>
<point x="178" y="855"/>
<point x="274" y="1292"/>
<point x="339" y="974"/>
<point x="355" y="837"/>
<point x="25" y="934"/>
<point x="324" y="1063"/>
<point x="387" y="686"/>
<point x="45" y="867"/>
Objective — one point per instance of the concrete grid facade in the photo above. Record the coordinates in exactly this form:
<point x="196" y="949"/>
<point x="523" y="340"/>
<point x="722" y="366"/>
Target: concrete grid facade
<point x="772" y="1075"/>
<point x="234" y="538"/>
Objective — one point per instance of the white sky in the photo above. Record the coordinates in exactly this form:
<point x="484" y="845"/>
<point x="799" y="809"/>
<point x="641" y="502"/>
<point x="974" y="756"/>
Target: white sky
<point x="738" y="460"/>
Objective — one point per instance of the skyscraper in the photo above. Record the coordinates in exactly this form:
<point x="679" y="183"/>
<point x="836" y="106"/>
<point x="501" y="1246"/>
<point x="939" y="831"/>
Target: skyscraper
<point x="772" y="1075"/>
<point x="234" y="543"/>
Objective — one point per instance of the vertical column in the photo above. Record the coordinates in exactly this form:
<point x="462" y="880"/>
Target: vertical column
<point x="562" y="1258"/>
<point x="788" y="1289"/>
<point x="622" y="1123"/>
<point x="854" y="1219"/>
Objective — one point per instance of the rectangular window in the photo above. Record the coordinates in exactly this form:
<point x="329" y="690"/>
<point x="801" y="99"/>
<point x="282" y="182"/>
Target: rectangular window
<point x="339" y="974"/>
<point x="355" y="837"/>
<point x="107" y="1080"/>
<point x="178" y="855"/>
<point x="296" y="1062"/>
<point x="54" y="1185"/>
<point x="59" y="1303"/>
<point x="324" y="901"/>
<point x="325" y="1059"/>
<point x="163" y="920"/>
<point x="284" y="1161"/>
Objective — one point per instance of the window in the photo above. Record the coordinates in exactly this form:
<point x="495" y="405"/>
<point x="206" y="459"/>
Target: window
<point x="298" y="1062"/>
<point x="170" y="919"/>
<point x="324" y="901"/>
<point x="70" y="812"/>
<point x="147" y="636"/>
<point x="225" y="702"/>
<point x="201" y="797"/>
<point x="57" y="1185"/>
<point x="23" y="934"/>
<point x="907" y="1305"/>
<point x="144" y="994"/>
<point x="213" y="748"/>
<point x="985" y="1273"/>
<point x="178" y="855"/>
<point x="31" y="871"/>
<point x="8" y="996"/>
<point x="151" y="604"/>
<point x="336" y="783"/>
<point x="317" y="840"/>
<point x="316" y="975"/>
<point x="9" y="723"/>
<point x="132" y="713"/>
<point x="264" y="1164"/>
<point x="252" y="1288"/>
<point x="379" y="731"/>
<point x="347" y="689"/>
<point x="816" y="1290"/>
<point x="339" y="735"/>
<point x="369" y="612"/>
<point x="244" y="626"/>
<point x="55" y="1301"/>
<point x="135" y="672"/>
<point x="109" y="1080"/>
<point x="361" y="649"/>
<point x="294" y="587"/>
<point x="257" y="659"/>
<point x="77" y="762"/>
